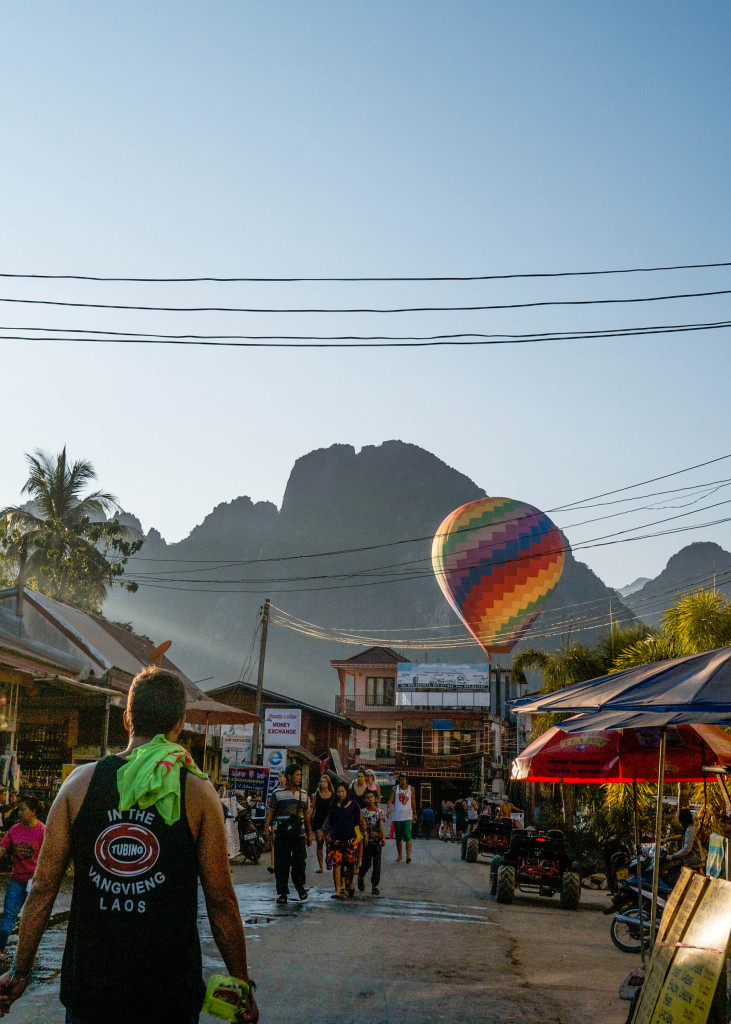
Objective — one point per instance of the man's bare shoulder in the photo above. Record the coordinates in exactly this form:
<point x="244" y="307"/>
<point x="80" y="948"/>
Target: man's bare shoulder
<point x="201" y="800"/>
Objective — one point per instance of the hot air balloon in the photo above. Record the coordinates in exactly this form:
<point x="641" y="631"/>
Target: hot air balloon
<point x="497" y="561"/>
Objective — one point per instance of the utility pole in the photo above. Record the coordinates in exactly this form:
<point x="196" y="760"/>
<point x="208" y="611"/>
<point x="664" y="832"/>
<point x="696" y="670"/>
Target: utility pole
<point x="260" y="683"/>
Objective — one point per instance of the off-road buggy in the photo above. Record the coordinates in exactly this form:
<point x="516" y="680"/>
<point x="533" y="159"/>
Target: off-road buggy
<point x="536" y="862"/>
<point x="488" y="837"/>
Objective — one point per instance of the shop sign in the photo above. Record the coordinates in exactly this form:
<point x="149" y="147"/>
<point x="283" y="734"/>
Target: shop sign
<point x="251" y="780"/>
<point x="282" y="727"/>
<point x="275" y="759"/>
<point x="236" y="743"/>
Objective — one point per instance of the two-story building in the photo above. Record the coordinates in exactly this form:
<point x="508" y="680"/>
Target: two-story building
<point x="452" y="737"/>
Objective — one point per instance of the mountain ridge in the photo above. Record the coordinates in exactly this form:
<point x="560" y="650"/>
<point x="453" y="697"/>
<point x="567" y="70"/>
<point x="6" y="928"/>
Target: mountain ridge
<point x="336" y="499"/>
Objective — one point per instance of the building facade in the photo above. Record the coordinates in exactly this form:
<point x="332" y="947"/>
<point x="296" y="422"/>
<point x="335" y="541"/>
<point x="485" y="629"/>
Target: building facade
<point x="322" y="732"/>
<point x="450" y="741"/>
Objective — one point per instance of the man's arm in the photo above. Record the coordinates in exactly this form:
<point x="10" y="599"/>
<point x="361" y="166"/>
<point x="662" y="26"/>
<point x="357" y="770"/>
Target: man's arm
<point x="52" y="863"/>
<point x="413" y="803"/>
<point x="218" y="890"/>
<point x="308" y="822"/>
<point x="391" y="799"/>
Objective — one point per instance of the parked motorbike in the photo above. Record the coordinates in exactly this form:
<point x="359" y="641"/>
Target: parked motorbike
<point x="249" y="839"/>
<point x="616" y="862"/>
<point x="630" y="928"/>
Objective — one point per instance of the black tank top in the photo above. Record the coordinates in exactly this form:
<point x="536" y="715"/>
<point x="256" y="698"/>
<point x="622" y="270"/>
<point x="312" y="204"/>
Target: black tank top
<point x="132" y="951"/>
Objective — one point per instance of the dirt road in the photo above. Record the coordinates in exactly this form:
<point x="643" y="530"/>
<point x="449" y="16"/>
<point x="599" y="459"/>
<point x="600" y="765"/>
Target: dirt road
<point x="433" y="948"/>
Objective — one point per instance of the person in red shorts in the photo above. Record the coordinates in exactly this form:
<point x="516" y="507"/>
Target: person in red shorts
<point x="22" y="843"/>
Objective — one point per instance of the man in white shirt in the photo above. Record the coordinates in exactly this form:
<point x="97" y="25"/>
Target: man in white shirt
<point x="402" y="805"/>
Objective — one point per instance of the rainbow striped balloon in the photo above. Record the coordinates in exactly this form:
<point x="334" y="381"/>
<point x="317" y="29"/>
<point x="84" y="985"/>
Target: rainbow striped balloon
<point x="497" y="561"/>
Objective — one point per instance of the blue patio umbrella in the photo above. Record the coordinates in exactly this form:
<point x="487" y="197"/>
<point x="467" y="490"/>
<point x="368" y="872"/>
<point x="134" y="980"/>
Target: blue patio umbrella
<point x="695" y="688"/>
<point x="696" y="684"/>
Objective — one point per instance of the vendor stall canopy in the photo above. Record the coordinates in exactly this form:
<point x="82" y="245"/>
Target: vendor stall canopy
<point x="576" y="752"/>
<point x="693" y="688"/>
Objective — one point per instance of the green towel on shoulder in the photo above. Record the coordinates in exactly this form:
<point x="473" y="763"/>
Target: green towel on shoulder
<point x="151" y="775"/>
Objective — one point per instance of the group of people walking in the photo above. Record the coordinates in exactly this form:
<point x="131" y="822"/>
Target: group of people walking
<point x="347" y="825"/>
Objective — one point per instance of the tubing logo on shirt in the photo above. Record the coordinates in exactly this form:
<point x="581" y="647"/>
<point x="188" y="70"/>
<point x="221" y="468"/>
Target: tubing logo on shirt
<point x="126" y="849"/>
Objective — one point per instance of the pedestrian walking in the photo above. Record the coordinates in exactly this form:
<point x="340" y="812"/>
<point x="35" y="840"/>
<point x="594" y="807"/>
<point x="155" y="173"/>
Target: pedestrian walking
<point x="281" y="784"/>
<point x="460" y="817"/>
<point x="132" y="951"/>
<point x="22" y="844"/>
<point x="373" y="785"/>
<point x="473" y="811"/>
<point x="447" y="820"/>
<point x="320" y="808"/>
<point x="373" y="823"/>
<point x="427" y="821"/>
<point x="402" y="806"/>
<point x="342" y="842"/>
<point x="289" y="808"/>
<point x="358" y="792"/>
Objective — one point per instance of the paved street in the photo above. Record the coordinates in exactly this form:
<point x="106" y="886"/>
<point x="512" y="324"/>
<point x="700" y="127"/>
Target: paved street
<point x="432" y="948"/>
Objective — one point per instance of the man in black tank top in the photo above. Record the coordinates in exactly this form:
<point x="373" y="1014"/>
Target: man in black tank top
<point x="132" y="951"/>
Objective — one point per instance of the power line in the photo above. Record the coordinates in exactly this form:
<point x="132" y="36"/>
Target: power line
<point x="172" y="585"/>
<point x="358" y="341"/>
<point x="400" y="309"/>
<point x="552" y="625"/>
<point x="557" y="335"/>
<point x="396" y="569"/>
<point x="354" y="280"/>
<point x="581" y="502"/>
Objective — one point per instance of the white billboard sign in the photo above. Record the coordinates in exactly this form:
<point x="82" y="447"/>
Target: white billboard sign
<point x="282" y="727"/>
<point x="414" y="675"/>
<point x="442" y="686"/>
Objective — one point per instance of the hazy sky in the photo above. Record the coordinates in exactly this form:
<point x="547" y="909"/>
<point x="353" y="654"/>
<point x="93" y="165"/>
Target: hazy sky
<point x="315" y="139"/>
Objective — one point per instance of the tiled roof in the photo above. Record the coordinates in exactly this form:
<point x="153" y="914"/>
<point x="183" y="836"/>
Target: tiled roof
<point x="375" y="656"/>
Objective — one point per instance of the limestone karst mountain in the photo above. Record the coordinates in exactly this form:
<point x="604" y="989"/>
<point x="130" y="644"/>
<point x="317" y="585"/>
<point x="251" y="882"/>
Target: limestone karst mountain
<point x="703" y="564"/>
<point x="336" y="498"/>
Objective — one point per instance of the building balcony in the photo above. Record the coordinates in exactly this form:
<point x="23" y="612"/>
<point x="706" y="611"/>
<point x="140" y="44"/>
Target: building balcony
<point x="416" y="701"/>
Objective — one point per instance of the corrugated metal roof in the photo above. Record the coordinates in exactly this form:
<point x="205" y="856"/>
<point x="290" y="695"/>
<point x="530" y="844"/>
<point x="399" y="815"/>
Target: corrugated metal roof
<point x="110" y="645"/>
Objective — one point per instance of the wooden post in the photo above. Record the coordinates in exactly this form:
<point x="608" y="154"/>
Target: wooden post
<point x="260" y="684"/>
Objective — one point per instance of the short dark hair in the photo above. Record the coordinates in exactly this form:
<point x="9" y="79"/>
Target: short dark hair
<point x="685" y="817"/>
<point x="291" y="769"/>
<point x="156" y="701"/>
<point x="32" y="803"/>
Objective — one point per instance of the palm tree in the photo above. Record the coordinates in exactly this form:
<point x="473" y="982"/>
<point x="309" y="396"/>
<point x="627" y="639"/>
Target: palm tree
<point x="574" y="662"/>
<point x="60" y="538"/>
<point x="696" y="622"/>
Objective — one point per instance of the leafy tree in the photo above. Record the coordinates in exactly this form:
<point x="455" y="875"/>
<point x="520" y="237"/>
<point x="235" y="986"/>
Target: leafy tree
<point x="574" y="662"/>
<point x="61" y="541"/>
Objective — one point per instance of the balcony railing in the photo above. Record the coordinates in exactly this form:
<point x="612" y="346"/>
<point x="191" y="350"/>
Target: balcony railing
<point x="417" y="701"/>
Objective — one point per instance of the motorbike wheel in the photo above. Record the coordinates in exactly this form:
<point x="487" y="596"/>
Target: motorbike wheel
<point x="464" y="848"/>
<point x="252" y="851"/>
<point x="505" y="892"/>
<point x="472" y="851"/>
<point x="626" y="936"/>
<point x="570" y="890"/>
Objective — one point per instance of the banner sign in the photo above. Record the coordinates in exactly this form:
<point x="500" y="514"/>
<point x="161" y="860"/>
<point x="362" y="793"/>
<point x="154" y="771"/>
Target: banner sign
<point x="413" y="675"/>
<point x="282" y="727"/>
<point x="434" y="685"/>
<point x="236" y="743"/>
<point x="249" y="779"/>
